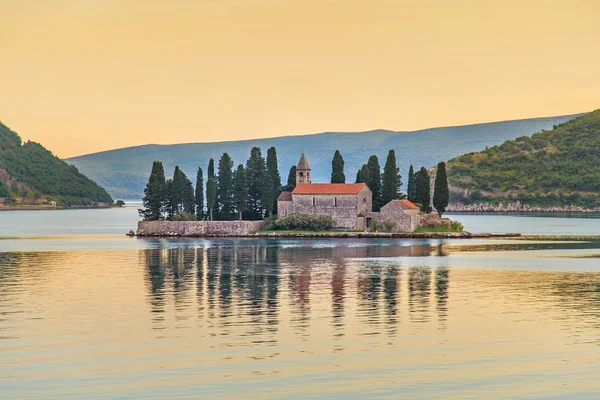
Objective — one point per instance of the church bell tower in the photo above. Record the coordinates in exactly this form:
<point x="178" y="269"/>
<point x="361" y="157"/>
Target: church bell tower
<point x="302" y="171"/>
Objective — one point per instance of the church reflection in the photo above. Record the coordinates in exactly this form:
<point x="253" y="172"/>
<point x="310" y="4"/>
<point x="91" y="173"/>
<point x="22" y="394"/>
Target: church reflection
<point x="252" y="288"/>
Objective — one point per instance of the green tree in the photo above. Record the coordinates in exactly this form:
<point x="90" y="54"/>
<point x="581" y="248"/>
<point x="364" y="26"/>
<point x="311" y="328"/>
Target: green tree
<point x="189" y="205"/>
<point x="391" y="180"/>
<point x="199" y="195"/>
<point x="167" y="203"/>
<point x="411" y="190"/>
<point x="275" y="179"/>
<point x="240" y="190"/>
<point x="211" y="169"/>
<point x="337" y="168"/>
<point x="224" y="207"/>
<point x="211" y="196"/>
<point x="364" y="175"/>
<point x="259" y="184"/>
<point x="423" y="190"/>
<point x="291" y="180"/>
<point x="176" y="193"/>
<point x="441" y="194"/>
<point x="154" y="194"/>
<point x="374" y="182"/>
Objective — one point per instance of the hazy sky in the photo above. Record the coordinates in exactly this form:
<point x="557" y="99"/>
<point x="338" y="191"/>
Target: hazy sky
<point x="83" y="76"/>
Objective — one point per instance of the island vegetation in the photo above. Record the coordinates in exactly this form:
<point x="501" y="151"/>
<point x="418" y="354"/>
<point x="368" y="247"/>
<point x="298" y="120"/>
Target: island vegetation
<point x="250" y="192"/>
<point x="552" y="168"/>
<point x="30" y="174"/>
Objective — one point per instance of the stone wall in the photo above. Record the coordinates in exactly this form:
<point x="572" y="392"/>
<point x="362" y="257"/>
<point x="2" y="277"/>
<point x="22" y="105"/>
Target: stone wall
<point x="342" y="208"/>
<point x="284" y="208"/>
<point x="198" y="228"/>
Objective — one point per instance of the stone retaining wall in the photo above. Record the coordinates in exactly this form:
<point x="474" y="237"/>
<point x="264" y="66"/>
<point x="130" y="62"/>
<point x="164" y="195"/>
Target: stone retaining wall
<point x="198" y="228"/>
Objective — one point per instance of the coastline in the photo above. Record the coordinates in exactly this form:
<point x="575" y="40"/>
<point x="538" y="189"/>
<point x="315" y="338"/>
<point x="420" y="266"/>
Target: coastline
<point x="516" y="208"/>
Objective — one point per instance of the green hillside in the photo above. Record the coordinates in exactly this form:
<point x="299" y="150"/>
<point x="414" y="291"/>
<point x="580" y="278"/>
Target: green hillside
<point x="552" y="168"/>
<point x="30" y="171"/>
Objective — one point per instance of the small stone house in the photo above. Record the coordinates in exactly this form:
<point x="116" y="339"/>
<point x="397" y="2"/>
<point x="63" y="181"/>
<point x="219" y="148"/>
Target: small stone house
<point x="403" y="213"/>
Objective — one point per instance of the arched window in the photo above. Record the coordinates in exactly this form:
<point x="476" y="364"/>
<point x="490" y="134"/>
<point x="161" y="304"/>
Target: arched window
<point x="314" y="202"/>
<point x="335" y="201"/>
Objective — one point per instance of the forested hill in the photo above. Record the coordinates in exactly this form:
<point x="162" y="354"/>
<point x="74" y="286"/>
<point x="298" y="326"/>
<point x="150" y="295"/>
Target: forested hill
<point x="552" y="168"/>
<point x="28" y="170"/>
<point x="124" y="172"/>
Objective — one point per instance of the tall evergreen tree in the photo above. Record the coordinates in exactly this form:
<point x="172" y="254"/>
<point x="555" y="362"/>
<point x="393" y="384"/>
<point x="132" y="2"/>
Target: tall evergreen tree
<point x="211" y="169"/>
<point x="441" y="194"/>
<point x="189" y="205"/>
<point x="411" y="190"/>
<point x="275" y="178"/>
<point x="154" y="194"/>
<point x="374" y="182"/>
<point x="364" y="175"/>
<point x="291" y="180"/>
<point x="240" y="191"/>
<point x="199" y="195"/>
<point x="259" y="184"/>
<point x="423" y="190"/>
<point x="167" y="200"/>
<point x="358" y="177"/>
<point x="224" y="206"/>
<point x="176" y="193"/>
<point x="211" y="196"/>
<point x="391" y="180"/>
<point x="337" y="168"/>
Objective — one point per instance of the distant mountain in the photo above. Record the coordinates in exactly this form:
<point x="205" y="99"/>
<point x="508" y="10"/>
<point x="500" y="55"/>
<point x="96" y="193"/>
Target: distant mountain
<point x="124" y="172"/>
<point x="30" y="171"/>
<point x="552" y="168"/>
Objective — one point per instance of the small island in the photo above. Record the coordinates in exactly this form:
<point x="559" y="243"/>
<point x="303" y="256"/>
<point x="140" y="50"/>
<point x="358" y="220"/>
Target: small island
<point x="371" y="207"/>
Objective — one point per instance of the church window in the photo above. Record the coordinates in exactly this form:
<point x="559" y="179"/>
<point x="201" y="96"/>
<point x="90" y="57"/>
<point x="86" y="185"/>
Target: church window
<point x="314" y="202"/>
<point x="335" y="201"/>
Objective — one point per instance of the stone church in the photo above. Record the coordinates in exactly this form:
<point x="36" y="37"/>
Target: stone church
<point x="349" y="204"/>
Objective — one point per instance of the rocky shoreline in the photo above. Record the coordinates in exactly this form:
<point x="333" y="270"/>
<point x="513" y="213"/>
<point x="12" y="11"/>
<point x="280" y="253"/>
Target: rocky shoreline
<point x="515" y="207"/>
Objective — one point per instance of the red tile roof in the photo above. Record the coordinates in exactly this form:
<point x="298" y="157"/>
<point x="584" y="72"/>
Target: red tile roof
<point x="285" y="196"/>
<point x="406" y="205"/>
<point x="328" y="188"/>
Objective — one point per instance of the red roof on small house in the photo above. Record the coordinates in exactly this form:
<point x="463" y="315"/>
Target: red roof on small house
<point x="406" y="204"/>
<point x="328" y="188"/>
<point x="285" y="196"/>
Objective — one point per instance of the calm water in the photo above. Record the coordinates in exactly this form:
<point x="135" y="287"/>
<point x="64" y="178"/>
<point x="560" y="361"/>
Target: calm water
<point x="86" y="312"/>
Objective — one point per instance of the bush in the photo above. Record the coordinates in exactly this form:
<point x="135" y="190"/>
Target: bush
<point x="297" y="221"/>
<point x="388" y="226"/>
<point x="457" y="226"/>
<point x="374" y="225"/>
<point x="184" y="217"/>
<point x="120" y="203"/>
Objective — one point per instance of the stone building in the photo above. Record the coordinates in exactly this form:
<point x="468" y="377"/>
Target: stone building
<point x="349" y="204"/>
<point x="403" y="213"/>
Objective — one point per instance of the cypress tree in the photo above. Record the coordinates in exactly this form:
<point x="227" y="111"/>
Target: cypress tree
<point x="199" y="195"/>
<point x="211" y="196"/>
<point x="154" y="194"/>
<point x="224" y="204"/>
<point x="176" y="193"/>
<point x="167" y="200"/>
<point x="240" y="190"/>
<point x="291" y="180"/>
<point x="275" y="178"/>
<point x="441" y="194"/>
<point x="423" y="190"/>
<point x="364" y="174"/>
<point x="391" y="179"/>
<point x="259" y="184"/>
<point x="189" y="205"/>
<point x="374" y="182"/>
<point x="337" y="168"/>
<point x="211" y="169"/>
<point x="411" y="190"/>
<point x="358" y="177"/>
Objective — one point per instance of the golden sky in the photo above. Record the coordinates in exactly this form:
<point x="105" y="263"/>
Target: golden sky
<point x="82" y="76"/>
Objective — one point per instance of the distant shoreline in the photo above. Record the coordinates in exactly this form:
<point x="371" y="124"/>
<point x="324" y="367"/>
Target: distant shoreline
<point x="44" y="207"/>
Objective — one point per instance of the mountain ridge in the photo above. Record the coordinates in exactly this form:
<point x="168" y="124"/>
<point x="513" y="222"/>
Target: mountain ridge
<point x="125" y="171"/>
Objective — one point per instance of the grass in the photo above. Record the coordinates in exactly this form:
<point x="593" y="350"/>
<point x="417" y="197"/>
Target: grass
<point x="426" y="229"/>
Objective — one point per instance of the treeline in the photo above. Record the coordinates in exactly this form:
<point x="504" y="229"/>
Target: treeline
<point x="386" y="186"/>
<point x="250" y="191"/>
<point x="44" y="174"/>
<point x="247" y="192"/>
